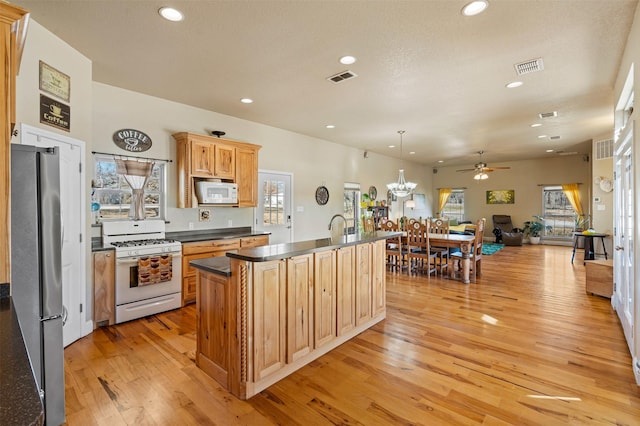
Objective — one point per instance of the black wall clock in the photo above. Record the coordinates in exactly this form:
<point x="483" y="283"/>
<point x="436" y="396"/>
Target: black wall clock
<point x="322" y="195"/>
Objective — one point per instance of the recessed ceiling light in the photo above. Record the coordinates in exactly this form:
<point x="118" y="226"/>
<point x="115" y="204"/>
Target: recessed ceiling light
<point x="171" y="14"/>
<point x="542" y="136"/>
<point x="475" y="7"/>
<point x="246" y="101"/>
<point x="392" y="146"/>
<point x="330" y="126"/>
<point x="549" y="150"/>
<point x="514" y="84"/>
<point x="348" y="60"/>
<point x="536" y="125"/>
<point x="440" y="161"/>
<point x="412" y="153"/>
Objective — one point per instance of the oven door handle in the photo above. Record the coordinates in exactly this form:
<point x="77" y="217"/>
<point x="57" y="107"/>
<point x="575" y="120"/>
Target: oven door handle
<point x="132" y="261"/>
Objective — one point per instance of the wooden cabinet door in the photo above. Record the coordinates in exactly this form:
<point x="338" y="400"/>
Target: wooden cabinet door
<point x="299" y="306"/>
<point x="255" y="241"/>
<point x="202" y="159"/>
<point x="346" y="287"/>
<point x="104" y="272"/>
<point x="212" y="312"/>
<point x="378" y="285"/>
<point x="363" y="283"/>
<point x="270" y="317"/>
<point x="247" y="177"/>
<point x="225" y="162"/>
<point x="324" y="297"/>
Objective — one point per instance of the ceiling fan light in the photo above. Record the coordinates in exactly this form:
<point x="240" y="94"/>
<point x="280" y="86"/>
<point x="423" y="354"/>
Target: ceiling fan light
<point x="481" y="176"/>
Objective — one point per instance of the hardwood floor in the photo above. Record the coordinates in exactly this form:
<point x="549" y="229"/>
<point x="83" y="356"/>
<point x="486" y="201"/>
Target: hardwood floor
<point x="525" y="345"/>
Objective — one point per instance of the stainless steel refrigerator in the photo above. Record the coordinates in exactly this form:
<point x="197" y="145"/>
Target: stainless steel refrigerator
<point x="36" y="268"/>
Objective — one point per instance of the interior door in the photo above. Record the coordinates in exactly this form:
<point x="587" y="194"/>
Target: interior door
<point x="623" y="299"/>
<point x="72" y="205"/>
<point x="273" y="213"/>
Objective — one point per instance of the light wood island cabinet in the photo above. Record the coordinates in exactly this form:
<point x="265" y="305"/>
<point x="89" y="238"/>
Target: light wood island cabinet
<point x="279" y="308"/>
<point x="205" y="157"/>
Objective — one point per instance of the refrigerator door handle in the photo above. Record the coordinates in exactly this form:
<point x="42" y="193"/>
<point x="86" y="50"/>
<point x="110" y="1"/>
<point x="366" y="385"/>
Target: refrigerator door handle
<point x="53" y="317"/>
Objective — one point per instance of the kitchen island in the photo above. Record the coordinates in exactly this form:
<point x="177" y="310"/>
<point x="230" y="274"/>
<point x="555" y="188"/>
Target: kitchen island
<point x="265" y="312"/>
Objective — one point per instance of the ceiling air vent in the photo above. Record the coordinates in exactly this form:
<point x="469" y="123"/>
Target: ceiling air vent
<point x="342" y="76"/>
<point x="527" y="67"/>
<point x="554" y="138"/>
<point x="548" y="114"/>
<point x="604" y="149"/>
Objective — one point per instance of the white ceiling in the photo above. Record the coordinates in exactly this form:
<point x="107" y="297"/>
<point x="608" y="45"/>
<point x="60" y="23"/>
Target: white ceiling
<point x="422" y="67"/>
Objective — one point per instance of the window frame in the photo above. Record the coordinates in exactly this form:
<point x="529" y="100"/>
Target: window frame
<point x="551" y="219"/>
<point x="458" y="216"/>
<point x="99" y="191"/>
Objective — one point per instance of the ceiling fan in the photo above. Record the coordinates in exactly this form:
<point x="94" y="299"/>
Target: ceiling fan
<point x="481" y="169"/>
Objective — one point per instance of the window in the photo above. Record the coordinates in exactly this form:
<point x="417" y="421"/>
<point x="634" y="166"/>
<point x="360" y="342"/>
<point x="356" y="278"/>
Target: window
<point x="111" y="196"/>
<point x="454" y="209"/>
<point x="273" y="202"/>
<point x="559" y="216"/>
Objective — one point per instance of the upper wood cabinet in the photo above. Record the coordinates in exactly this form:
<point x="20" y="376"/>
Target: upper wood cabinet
<point x="247" y="177"/>
<point x="12" y="31"/>
<point x="205" y="157"/>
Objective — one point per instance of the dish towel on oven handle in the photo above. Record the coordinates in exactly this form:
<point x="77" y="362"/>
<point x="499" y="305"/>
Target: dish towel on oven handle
<point x="154" y="269"/>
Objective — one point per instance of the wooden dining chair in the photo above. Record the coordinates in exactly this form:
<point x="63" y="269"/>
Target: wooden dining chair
<point x="419" y="256"/>
<point x="475" y="257"/>
<point x="393" y="249"/>
<point x="440" y="226"/>
<point x="368" y="224"/>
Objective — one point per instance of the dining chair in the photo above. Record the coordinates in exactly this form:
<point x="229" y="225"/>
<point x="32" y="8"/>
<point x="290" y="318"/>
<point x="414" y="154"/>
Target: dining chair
<point x="440" y="226"/>
<point x="475" y="257"/>
<point x="419" y="256"/>
<point x="368" y="224"/>
<point x="393" y="249"/>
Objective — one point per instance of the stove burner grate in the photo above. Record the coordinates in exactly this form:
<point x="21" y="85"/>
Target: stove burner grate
<point x="139" y="243"/>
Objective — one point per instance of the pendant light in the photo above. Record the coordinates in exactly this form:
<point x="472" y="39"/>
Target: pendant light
<point x="402" y="188"/>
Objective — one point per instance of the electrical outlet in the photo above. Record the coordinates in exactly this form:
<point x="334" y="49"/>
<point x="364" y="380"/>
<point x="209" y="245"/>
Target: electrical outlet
<point x="230" y="223"/>
<point x="190" y="226"/>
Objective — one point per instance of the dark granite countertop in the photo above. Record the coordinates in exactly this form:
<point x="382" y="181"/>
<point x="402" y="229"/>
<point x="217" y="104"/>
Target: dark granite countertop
<point x="283" y="251"/>
<point x="193" y="236"/>
<point x="213" y="234"/>
<point x="217" y="265"/>
<point x="20" y="402"/>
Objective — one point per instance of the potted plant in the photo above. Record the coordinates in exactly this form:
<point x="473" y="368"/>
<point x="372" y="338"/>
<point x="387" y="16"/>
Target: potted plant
<point x="532" y="228"/>
<point x="581" y="223"/>
<point x="365" y="200"/>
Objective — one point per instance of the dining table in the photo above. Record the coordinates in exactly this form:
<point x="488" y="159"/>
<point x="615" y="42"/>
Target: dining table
<point x="463" y="242"/>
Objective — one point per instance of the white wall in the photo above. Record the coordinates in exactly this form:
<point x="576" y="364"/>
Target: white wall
<point x="524" y="177"/>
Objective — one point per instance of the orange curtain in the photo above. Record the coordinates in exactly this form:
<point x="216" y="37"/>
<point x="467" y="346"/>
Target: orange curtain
<point x="442" y="199"/>
<point x="573" y="195"/>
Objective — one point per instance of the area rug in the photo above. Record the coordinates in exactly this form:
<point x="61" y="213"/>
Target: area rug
<point x="489" y="248"/>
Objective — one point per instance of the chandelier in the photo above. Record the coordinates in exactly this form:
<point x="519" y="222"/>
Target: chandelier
<point x="402" y="188"/>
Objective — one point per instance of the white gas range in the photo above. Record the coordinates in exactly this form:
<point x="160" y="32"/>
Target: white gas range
<point x="148" y="268"/>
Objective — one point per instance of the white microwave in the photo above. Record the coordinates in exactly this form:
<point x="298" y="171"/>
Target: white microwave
<point x="209" y="192"/>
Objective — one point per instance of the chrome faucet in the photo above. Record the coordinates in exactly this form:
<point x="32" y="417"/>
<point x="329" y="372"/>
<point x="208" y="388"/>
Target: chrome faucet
<point x="341" y="217"/>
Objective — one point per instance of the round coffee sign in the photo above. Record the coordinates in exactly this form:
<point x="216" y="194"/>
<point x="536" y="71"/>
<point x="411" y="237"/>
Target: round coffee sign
<point x="132" y="140"/>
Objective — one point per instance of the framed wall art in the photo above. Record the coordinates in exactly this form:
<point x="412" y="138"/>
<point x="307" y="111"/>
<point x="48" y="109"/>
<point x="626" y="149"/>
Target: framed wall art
<point x="504" y="196"/>
<point x="55" y="82"/>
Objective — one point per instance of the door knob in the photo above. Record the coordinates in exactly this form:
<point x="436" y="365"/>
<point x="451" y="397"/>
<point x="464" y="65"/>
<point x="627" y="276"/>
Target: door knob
<point x="618" y="248"/>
